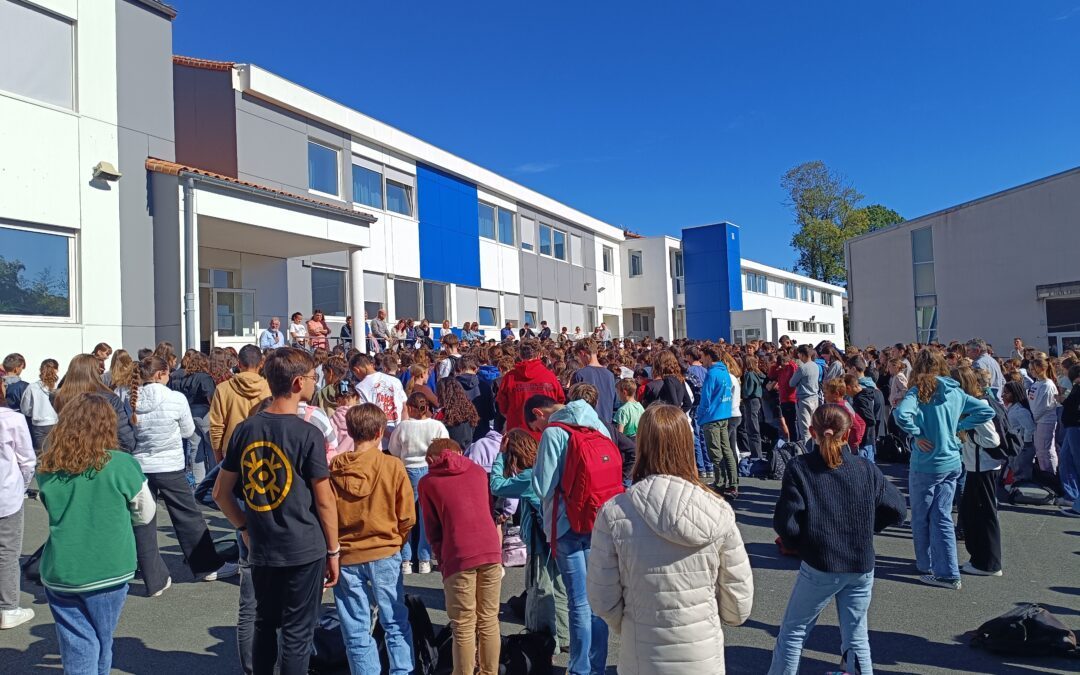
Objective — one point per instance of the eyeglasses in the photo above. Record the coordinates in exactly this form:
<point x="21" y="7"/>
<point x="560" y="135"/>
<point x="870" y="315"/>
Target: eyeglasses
<point x="313" y="377"/>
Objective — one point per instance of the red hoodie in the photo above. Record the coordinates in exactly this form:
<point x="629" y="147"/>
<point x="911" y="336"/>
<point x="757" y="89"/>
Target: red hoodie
<point x="454" y="498"/>
<point x="527" y="379"/>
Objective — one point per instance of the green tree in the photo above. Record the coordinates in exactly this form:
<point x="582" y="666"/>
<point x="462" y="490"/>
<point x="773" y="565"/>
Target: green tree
<point x="881" y="216"/>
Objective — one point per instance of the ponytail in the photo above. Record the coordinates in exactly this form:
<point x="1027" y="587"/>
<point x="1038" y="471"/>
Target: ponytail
<point x="49" y="373"/>
<point x="830" y="424"/>
<point x="143" y="372"/>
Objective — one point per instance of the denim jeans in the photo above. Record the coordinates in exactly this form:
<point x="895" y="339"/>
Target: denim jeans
<point x="245" y="615"/>
<point x="812" y="593"/>
<point x="701" y="453"/>
<point x="198" y="448"/>
<point x="423" y="553"/>
<point x="359" y="587"/>
<point x="868" y="452"/>
<point x="931" y="496"/>
<point x="85" y="623"/>
<point x="1069" y="465"/>
<point x="588" y="632"/>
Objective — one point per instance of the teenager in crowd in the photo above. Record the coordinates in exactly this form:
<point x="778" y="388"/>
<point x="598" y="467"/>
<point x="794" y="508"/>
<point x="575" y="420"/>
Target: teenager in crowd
<point x="596" y="375"/>
<point x="528" y="378"/>
<point x="236" y="398"/>
<point x="455" y="498"/>
<point x="14" y="365"/>
<point x="381" y="389"/>
<point x="93" y="493"/>
<point x="457" y="412"/>
<point x="1021" y="423"/>
<point x="375" y="510"/>
<point x="1070" y="449"/>
<point x="630" y="411"/>
<point x="292" y="515"/>
<point x="714" y="411"/>
<point x="480" y="392"/>
<point x="806" y="381"/>
<point x="735" y="421"/>
<point x="668" y="564"/>
<point x="864" y="405"/>
<point x="753" y="389"/>
<point x="409" y="443"/>
<point x="36" y="403"/>
<point x="82" y="377"/>
<point x="1042" y="395"/>
<point x="195" y="383"/>
<point x="17" y="461"/>
<point x="835" y="392"/>
<point x="831" y="503"/>
<point x="667" y="384"/>
<point x="932" y="411"/>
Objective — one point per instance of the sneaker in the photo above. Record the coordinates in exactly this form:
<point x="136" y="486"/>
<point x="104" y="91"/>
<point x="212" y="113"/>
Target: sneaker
<point x="1068" y="511"/>
<point x="425" y="567"/>
<point x="968" y="568"/>
<point x="9" y="618"/>
<point x="931" y="580"/>
<point x="224" y="572"/>
<point x="168" y="583"/>
<point x="1063" y="501"/>
<point x="406" y="568"/>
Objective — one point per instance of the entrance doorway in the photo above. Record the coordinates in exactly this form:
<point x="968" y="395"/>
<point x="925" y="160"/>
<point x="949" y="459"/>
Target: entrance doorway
<point x="227" y="312"/>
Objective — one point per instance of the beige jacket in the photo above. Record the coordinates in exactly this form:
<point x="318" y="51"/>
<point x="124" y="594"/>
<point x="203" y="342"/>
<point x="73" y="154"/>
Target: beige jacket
<point x="667" y="567"/>
<point x="234" y="400"/>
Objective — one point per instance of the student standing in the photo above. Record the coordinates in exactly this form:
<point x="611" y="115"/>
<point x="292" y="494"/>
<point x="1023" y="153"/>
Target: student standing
<point x="1042" y="395"/>
<point x="806" y="381"/>
<point x="1021" y="423"/>
<point x="290" y="510"/>
<point x="831" y="503"/>
<point x="630" y="411"/>
<point x="714" y="411"/>
<point x="17" y="462"/>
<point x="236" y="398"/>
<point x="82" y="377"/>
<point x="596" y="375"/>
<point x="36" y="403"/>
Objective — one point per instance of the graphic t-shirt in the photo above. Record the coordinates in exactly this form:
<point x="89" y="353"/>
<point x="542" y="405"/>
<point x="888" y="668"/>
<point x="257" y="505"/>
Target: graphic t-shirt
<point x="277" y="458"/>
<point x="386" y="392"/>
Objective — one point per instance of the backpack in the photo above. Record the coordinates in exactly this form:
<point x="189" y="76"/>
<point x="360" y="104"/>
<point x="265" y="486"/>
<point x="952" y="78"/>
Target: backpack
<point x="592" y="474"/>
<point x="31" y="567"/>
<point x="891" y="448"/>
<point x="526" y="654"/>
<point x="1027" y="630"/>
<point x="513" y="548"/>
<point x="1010" y="445"/>
<point x="1030" y="492"/>
<point x="753" y="468"/>
<point x="782" y="454"/>
<point x="425" y="649"/>
<point x="328" y="653"/>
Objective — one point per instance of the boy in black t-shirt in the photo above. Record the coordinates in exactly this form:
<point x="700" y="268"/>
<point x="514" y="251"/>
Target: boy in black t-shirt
<point x="276" y="463"/>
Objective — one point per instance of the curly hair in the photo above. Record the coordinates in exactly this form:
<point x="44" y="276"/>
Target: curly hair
<point x="195" y="361"/>
<point x="928" y="366"/>
<point x="82" y="437"/>
<point x="457" y="408"/>
<point x="666" y="364"/>
<point x="520" y="449"/>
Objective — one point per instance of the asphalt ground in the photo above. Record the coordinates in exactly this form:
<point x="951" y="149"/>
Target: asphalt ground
<point x="913" y="628"/>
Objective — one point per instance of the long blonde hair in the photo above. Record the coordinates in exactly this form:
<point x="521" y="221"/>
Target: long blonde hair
<point x="120" y="368"/>
<point x="82" y="377"/>
<point x="831" y="424"/>
<point x="665" y="445"/>
<point x="86" y="430"/>
<point x="928" y="366"/>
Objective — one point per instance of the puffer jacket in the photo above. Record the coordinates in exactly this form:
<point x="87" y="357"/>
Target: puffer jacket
<point x="163" y="422"/>
<point x="667" y="567"/>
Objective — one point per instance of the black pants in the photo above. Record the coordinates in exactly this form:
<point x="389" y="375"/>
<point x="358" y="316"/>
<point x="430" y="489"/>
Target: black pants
<point x="979" y="514"/>
<point x="733" y="426"/>
<point x="751" y="426"/>
<point x="286" y="599"/>
<point x="191" y="531"/>
<point x="787" y="410"/>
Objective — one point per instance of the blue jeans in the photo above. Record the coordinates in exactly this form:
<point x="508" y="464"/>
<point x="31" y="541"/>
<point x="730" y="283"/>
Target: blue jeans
<point x="812" y="593"/>
<point x="701" y="453"/>
<point x="588" y="632"/>
<point x="85" y="623"/>
<point x="424" y="548"/>
<point x="931" y="496"/>
<point x="1069" y="465"/>
<point x="868" y="452"/>
<point x="359" y="587"/>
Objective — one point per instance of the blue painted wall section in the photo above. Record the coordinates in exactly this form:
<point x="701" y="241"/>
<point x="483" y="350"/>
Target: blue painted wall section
<point x="449" y="227"/>
<point x="711" y="255"/>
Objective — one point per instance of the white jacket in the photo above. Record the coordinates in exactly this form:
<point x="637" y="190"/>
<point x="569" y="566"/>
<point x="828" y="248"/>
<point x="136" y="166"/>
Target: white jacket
<point x="36" y="405"/>
<point x="667" y="566"/>
<point x="985" y="436"/>
<point x="164" y="421"/>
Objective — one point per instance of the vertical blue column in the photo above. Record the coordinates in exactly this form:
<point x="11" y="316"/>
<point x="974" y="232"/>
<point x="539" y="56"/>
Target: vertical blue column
<point x="711" y="261"/>
<point x="449" y="230"/>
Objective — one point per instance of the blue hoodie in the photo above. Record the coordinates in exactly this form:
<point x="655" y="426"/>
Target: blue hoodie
<point x="949" y="410"/>
<point x="715" y="395"/>
<point x="867" y="383"/>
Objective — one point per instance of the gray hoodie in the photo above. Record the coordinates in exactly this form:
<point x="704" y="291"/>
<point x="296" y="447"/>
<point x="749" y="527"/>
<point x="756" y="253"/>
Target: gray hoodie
<point x="805" y="381"/>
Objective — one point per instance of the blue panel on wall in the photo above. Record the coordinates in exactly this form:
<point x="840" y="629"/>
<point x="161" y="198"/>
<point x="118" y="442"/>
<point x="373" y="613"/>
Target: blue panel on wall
<point x="449" y="232"/>
<point x="711" y="260"/>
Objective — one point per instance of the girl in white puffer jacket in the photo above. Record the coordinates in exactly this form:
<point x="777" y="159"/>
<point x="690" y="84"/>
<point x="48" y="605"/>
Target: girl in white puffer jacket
<point x="668" y="565"/>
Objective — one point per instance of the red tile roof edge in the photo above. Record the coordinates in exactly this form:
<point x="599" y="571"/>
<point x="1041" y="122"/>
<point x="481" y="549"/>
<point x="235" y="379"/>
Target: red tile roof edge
<point x="205" y="64"/>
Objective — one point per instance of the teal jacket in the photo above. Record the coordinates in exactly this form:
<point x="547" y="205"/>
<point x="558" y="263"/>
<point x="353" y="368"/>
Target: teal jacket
<point x="949" y="410"/>
<point x="551" y="458"/>
<point x="519" y="487"/>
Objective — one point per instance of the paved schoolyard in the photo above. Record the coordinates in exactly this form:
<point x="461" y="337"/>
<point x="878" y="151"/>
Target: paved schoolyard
<point x="913" y="628"/>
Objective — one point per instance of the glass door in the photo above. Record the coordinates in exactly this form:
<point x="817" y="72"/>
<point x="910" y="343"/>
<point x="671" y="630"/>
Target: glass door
<point x="233" y="318"/>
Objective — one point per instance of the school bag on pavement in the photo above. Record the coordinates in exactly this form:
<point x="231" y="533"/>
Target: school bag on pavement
<point x="513" y="548"/>
<point x="526" y="654"/>
<point x="891" y="448"/>
<point x="328" y="654"/>
<point x="1031" y="493"/>
<point x="1027" y="630"/>
<point x="783" y="453"/>
<point x="592" y="474"/>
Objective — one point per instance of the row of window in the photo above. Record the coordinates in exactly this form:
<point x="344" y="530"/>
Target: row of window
<point x="371" y="187"/>
<point x="810" y="327"/>
<point x="759" y="283"/>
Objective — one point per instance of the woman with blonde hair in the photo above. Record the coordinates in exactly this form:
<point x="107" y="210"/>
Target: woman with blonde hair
<point x="83" y="377"/>
<point x="1042" y="396"/>
<point x="668" y="564"/>
<point x="36" y="403"/>
<point x="119" y="367"/>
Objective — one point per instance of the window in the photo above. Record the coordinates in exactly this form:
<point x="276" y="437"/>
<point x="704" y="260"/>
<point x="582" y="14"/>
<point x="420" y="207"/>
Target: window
<point x="367" y="187"/>
<point x="487" y="221"/>
<point x="753" y="334"/>
<point x="328" y="291"/>
<point x="560" y="244"/>
<point x="609" y="259"/>
<point x="640" y="322"/>
<point x="757" y="283"/>
<point x="789" y="290"/>
<point x="528" y="234"/>
<point x="738" y="336"/>
<point x="793" y="326"/>
<point x="407" y="299"/>
<point x="35" y="272"/>
<point x="398" y="197"/>
<point x="636" y="267"/>
<point x="576" y="250"/>
<point x="826" y="298"/>
<point x="38" y="55"/>
<point x="489" y="316"/>
<point x="435" y="302"/>
<point x="922" y="258"/>
<point x="530" y="318"/>
<point x="322" y="168"/>
<point x="506" y="227"/>
<point x="804" y="293"/>
<point x="545" y="239"/>
<point x="807" y="327"/>
<point x="676" y="264"/>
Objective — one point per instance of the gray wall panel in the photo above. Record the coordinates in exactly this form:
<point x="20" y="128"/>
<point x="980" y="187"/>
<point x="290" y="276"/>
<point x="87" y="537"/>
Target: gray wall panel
<point x="271" y="152"/>
<point x="144" y="70"/>
<point x="167" y="308"/>
<point x="205" y="119"/>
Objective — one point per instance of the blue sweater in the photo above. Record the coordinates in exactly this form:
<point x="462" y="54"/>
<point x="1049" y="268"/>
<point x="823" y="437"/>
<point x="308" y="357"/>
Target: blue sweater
<point x="715" y="395"/>
<point x="830" y="515"/>
<point x="949" y="410"/>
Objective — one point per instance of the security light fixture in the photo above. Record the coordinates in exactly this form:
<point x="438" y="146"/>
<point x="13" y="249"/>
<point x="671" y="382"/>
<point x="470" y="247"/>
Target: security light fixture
<point x="106" y="171"/>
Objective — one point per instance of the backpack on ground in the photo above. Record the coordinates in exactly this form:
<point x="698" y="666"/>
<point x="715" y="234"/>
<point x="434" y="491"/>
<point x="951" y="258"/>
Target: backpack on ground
<point x="891" y="448"/>
<point x="526" y="654"/>
<point x="753" y="468"/>
<point x="592" y="474"/>
<point x="783" y="453"/>
<point x="1031" y="493"/>
<point x="31" y="567"/>
<point x="1028" y="630"/>
<point x="513" y="548"/>
<point x="425" y="649"/>
<point x="328" y="653"/>
<point x="1010" y="444"/>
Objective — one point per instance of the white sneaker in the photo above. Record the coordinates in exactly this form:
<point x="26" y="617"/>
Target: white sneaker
<point x="406" y="567"/>
<point x="224" y="572"/>
<point x="968" y="568"/>
<point x="425" y="567"/>
<point x="168" y="584"/>
<point x="9" y="618"/>
<point x="1063" y="501"/>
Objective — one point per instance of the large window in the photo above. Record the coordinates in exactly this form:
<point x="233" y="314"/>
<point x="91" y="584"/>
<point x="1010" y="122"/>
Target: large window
<point x="37" y="53"/>
<point x="560" y="244"/>
<point x="789" y="290"/>
<point x="757" y="283"/>
<point x="826" y="298"/>
<point x="922" y="258"/>
<point x="398" y="197"/>
<point x="804" y="293"/>
<point x="367" y="186"/>
<point x="576" y="251"/>
<point x="497" y="222"/>
<point x="506" y="227"/>
<point x="640" y="322"/>
<point x="407" y="299"/>
<point x="35" y="273"/>
<point x="322" y="168"/>
<point x="328" y="291"/>
<point x="435" y="302"/>
<point x="545" y="239"/>
<point x="528" y="234"/>
<point x="487" y="221"/>
<point x="530" y="318"/>
<point x="636" y="266"/>
<point x="489" y="316"/>
<point x="609" y="259"/>
<point x="793" y="326"/>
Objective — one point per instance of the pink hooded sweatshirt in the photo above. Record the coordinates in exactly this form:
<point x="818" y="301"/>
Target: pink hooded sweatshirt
<point x="345" y="442"/>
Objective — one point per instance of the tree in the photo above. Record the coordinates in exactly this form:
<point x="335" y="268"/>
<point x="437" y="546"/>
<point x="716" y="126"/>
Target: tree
<point x="827" y="211"/>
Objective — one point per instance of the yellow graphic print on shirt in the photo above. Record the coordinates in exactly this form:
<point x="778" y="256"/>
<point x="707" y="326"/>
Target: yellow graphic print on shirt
<point x="268" y="475"/>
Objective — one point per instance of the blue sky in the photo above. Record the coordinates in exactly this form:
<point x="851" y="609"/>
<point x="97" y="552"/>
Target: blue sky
<point x="656" y="116"/>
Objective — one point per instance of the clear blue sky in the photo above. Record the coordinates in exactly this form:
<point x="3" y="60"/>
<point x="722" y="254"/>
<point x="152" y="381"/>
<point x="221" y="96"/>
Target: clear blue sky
<point x="655" y="116"/>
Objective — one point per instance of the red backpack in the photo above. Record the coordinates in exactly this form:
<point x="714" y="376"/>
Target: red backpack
<point x="592" y="474"/>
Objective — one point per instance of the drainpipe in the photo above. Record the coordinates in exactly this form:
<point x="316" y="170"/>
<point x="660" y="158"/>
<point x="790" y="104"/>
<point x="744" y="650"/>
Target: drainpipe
<point x="191" y="335"/>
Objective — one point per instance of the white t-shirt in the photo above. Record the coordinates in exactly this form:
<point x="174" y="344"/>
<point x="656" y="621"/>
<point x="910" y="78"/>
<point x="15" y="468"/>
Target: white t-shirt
<point x="386" y="392"/>
<point x="298" y="330"/>
<point x="411" y="439"/>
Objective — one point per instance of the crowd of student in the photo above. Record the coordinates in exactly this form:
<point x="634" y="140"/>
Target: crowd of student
<point x="618" y="460"/>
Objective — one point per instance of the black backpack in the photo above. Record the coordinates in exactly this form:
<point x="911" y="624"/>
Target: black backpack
<point x="425" y="651"/>
<point x="526" y="654"/>
<point x="1028" y="630"/>
<point x="782" y="454"/>
<point x="892" y="448"/>
<point x="328" y="653"/>
<point x="1010" y="445"/>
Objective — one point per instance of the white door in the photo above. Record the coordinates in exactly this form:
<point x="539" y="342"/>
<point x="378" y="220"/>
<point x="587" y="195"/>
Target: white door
<point x="1066" y="341"/>
<point x="233" y="318"/>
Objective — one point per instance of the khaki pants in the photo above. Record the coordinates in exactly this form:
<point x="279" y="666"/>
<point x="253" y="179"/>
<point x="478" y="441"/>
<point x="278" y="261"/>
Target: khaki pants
<point x="472" y="603"/>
